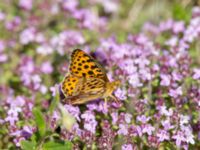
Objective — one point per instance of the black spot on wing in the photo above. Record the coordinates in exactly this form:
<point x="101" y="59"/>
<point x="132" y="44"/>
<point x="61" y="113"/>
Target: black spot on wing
<point x="90" y="72"/>
<point x="86" y="66"/>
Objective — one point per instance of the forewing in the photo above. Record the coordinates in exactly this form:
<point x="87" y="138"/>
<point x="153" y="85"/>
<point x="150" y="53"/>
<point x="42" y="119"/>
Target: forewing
<point x="70" y="85"/>
<point x="83" y="65"/>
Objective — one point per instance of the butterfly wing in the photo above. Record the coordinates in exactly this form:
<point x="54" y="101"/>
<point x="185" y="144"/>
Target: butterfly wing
<point x="90" y="89"/>
<point x="70" y="85"/>
<point x="83" y="65"/>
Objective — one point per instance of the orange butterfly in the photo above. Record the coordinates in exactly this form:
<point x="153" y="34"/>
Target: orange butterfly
<point x="86" y="80"/>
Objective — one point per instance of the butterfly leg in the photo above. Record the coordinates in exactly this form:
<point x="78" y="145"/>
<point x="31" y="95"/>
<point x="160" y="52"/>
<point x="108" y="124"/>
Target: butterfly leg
<point x="115" y="99"/>
<point x="105" y="102"/>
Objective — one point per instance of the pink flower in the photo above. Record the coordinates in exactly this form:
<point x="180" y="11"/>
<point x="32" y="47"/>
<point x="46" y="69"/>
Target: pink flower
<point x="184" y="119"/>
<point x="143" y="119"/>
<point x="189" y="137"/>
<point x="46" y="67"/>
<point x="128" y="117"/>
<point x="3" y="58"/>
<point x="127" y="147"/>
<point x="13" y="24"/>
<point x="196" y="75"/>
<point x="70" y="5"/>
<point x="114" y="116"/>
<point x="2" y="16"/>
<point x="139" y="130"/>
<point x="68" y="38"/>
<point x="178" y="27"/>
<point x="53" y="89"/>
<point x="162" y="135"/>
<point x="89" y="121"/>
<point x="27" y="35"/>
<point x="165" y="79"/>
<point x="176" y="76"/>
<point x="134" y="80"/>
<point x="163" y="111"/>
<point x="11" y="119"/>
<point x="121" y="93"/>
<point x="176" y="92"/>
<point x="44" y="49"/>
<point x="166" y="124"/>
<point x="43" y="89"/>
<point x="172" y="41"/>
<point x="179" y="137"/>
<point x="26" y="4"/>
<point x="74" y="111"/>
<point x="88" y="19"/>
<point x="17" y="141"/>
<point x="123" y="129"/>
<point x="148" y="129"/>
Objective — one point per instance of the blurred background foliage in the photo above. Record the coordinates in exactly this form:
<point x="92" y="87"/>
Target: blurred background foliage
<point x="130" y="18"/>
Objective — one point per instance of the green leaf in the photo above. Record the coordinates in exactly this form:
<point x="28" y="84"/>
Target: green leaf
<point x="27" y="145"/>
<point x="40" y="121"/>
<point x="57" y="146"/>
<point x="181" y="13"/>
<point x="55" y="102"/>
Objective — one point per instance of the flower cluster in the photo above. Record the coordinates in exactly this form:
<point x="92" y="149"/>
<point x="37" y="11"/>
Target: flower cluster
<point x="158" y="67"/>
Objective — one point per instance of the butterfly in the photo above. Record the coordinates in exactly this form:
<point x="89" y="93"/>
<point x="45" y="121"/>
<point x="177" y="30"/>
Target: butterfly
<point x="86" y="80"/>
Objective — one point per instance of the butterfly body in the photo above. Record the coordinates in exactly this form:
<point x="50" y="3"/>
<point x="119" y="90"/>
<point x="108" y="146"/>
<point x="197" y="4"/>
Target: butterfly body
<point x="86" y="80"/>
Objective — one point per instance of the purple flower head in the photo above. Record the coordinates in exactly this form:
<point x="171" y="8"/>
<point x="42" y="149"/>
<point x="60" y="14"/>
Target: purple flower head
<point x="3" y="58"/>
<point x="148" y="129"/>
<point x="109" y="6"/>
<point x="27" y="35"/>
<point x="176" y="92"/>
<point x="196" y="11"/>
<point x="166" y="25"/>
<point x="189" y="137"/>
<point x="89" y="121"/>
<point x="176" y="76"/>
<point x="165" y="79"/>
<point x="139" y="131"/>
<point x="26" y="4"/>
<point x="121" y="94"/>
<point x="27" y="131"/>
<point x="163" y="111"/>
<point x="54" y="119"/>
<point x="114" y="116"/>
<point x="88" y="19"/>
<point x="143" y="119"/>
<point x="163" y="135"/>
<point x="196" y="75"/>
<point x="134" y="80"/>
<point x="92" y="106"/>
<point x="127" y="147"/>
<point x="43" y="89"/>
<point x="53" y="89"/>
<point x="166" y="124"/>
<point x="46" y="67"/>
<point x="13" y="24"/>
<point x="2" y="16"/>
<point x="128" y="117"/>
<point x="74" y="111"/>
<point x="44" y="49"/>
<point x="123" y="129"/>
<point x="2" y="45"/>
<point x="179" y="138"/>
<point x="184" y="119"/>
<point x="172" y="41"/>
<point x="66" y="39"/>
<point x="70" y="6"/>
<point x="178" y="27"/>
